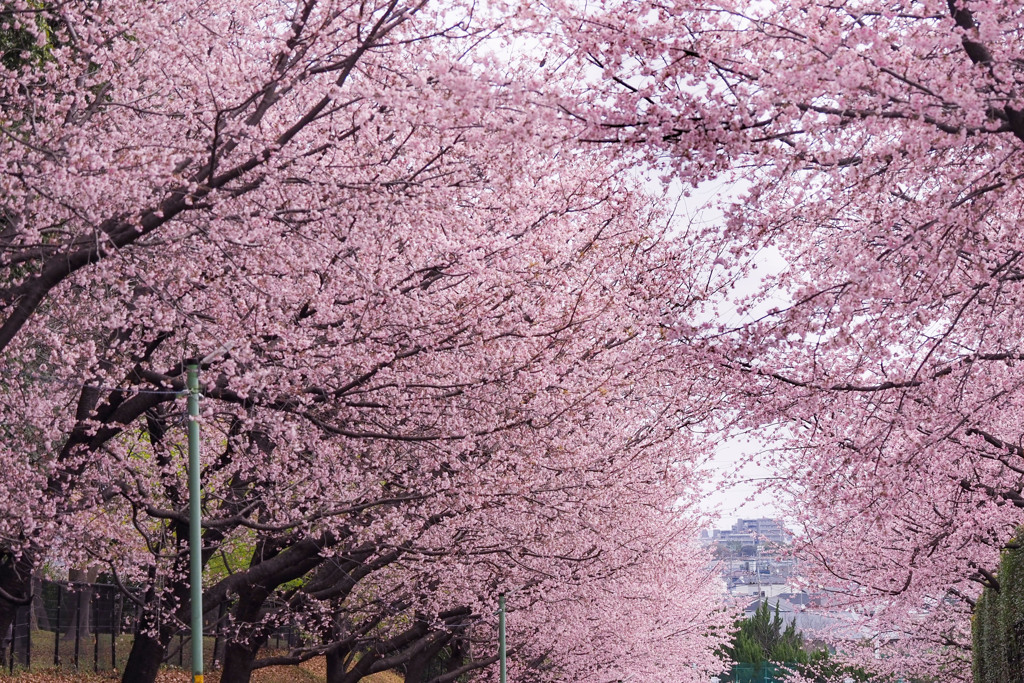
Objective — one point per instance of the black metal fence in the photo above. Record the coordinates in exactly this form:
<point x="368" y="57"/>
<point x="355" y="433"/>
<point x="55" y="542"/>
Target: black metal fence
<point x="90" y="627"/>
<point x="69" y="624"/>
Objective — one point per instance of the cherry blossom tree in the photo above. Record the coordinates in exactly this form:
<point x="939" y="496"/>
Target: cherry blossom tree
<point x="597" y="431"/>
<point x="876" y="149"/>
<point x="433" y="332"/>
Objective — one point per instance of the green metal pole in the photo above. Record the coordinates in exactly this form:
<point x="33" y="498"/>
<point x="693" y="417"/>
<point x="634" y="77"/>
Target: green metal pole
<point x="503" y="675"/>
<point x="195" y="535"/>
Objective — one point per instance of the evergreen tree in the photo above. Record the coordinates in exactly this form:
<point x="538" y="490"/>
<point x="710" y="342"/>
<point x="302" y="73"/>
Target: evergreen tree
<point x="763" y="637"/>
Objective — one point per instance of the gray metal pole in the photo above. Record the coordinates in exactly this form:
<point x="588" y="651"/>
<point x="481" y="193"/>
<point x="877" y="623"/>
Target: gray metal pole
<point x="195" y="535"/>
<point x="503" y="675"/>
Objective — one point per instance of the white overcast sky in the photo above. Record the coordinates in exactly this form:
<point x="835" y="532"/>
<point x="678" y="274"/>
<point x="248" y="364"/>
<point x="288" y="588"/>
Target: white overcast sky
<point x="733" y="493"/>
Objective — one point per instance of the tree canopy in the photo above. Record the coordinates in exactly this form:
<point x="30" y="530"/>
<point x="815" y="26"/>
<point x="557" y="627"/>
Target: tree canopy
<point x="431" y="326"/>
<point x="875" y="147"/>
<point x="453" y="346"/>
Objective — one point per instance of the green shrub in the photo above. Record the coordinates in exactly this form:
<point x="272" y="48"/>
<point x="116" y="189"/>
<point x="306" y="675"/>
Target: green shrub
<point x="998" y="622"/>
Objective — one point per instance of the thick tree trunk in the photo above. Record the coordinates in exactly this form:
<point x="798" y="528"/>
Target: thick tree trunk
<point x="419" y="666"/>
<point x="144" y="661"/>
<point x="241" y="649"/>
<point x="7" y="613"/>
<point x="238" y="659"/>
<point x="459" y="654"/>
<point x="416" y="669"/>
<point x="16" y="587"/>
<point x="336" y="672"/>
<point x="149" y="647"/>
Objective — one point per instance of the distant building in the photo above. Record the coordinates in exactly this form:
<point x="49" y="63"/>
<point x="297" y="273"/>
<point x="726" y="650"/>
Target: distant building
<point x="752" y="556"/>
<point x="754" y="534"/>
<point x="764" y="529"/>
<point x="754" y="563"/>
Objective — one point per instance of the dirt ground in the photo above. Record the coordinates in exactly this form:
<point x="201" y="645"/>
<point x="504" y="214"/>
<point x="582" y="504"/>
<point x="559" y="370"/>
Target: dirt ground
<point x="313" y="671"/>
